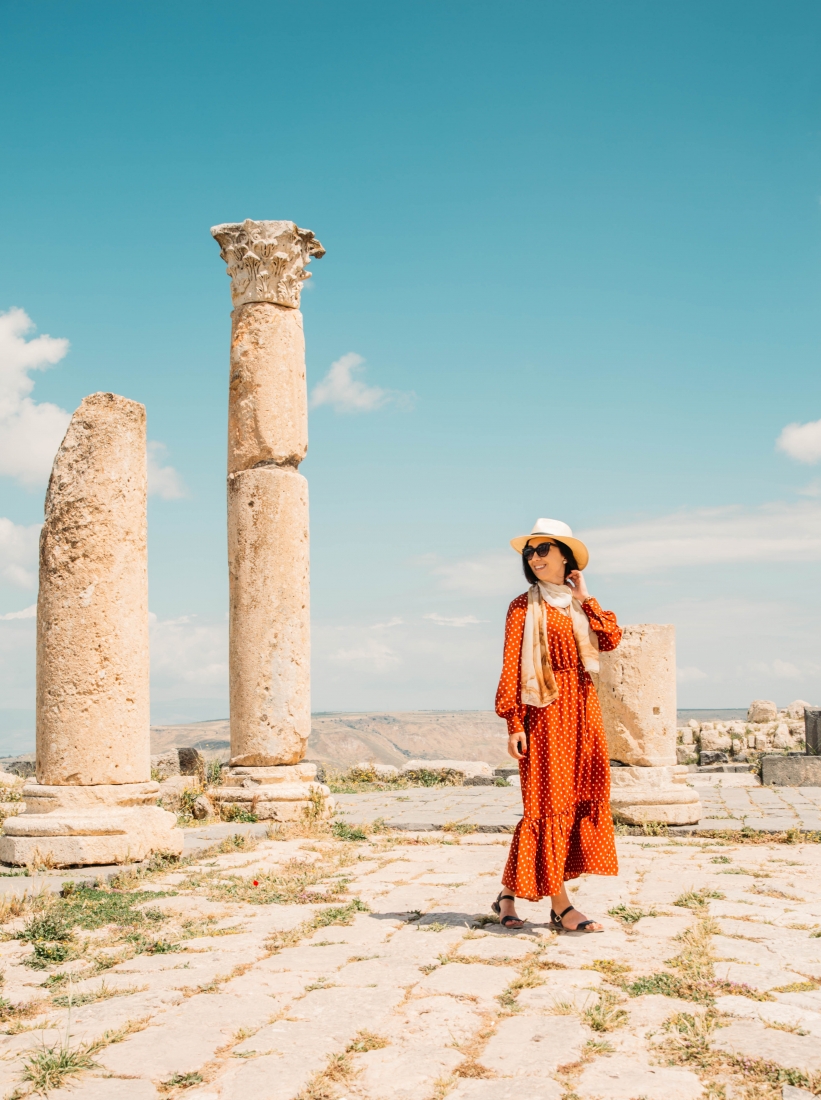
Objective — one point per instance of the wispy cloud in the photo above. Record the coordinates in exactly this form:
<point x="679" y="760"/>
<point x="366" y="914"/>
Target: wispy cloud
<point x="779" y="532"/>
<point x="30" y="432"/>
<point x="163" y="481"/>
<point x="346" y="393"/>
<point x="26" y="613"/>
<point x="801" y="441"/>
<point x="18" y="553"/>
<point x="458" y="620"/>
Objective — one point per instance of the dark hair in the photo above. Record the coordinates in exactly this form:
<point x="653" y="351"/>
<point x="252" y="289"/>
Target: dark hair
<point x="569" y="567"/>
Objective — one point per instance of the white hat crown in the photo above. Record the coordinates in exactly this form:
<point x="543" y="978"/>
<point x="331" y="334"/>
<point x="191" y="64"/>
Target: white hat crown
<point x="553" y="527"/>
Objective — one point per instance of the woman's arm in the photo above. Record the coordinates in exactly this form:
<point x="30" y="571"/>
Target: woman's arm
<point x="508" y="694"/>
<point x="603" y="623"/>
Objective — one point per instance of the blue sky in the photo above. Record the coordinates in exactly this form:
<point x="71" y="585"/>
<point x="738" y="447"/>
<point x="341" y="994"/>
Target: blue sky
<point x="576" y="246"/>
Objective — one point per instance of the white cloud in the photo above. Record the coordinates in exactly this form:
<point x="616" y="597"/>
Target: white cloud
<point x="345" y="393"/>
<point x="26" y="613"/>
<point x="30" y="433"/>
<point x="163" y="481"/>
<point x="801" y="441"/>
<point x="779" y="532"/>
<point x="460" y="620"/>
<point x="18" y="553"/>
<point x="690" y="674"/>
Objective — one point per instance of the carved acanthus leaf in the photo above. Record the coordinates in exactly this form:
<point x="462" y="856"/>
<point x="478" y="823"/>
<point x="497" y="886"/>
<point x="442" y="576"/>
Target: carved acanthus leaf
<point x="266" y="260"/>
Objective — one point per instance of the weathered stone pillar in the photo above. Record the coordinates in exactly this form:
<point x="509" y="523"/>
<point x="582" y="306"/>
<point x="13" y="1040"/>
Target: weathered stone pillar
<point x="637" y="692"/>
<point x="269" y="615"/>
<point x="93" y="800"/>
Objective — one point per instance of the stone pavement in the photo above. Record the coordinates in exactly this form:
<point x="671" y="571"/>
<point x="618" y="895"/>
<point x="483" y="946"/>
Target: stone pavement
<point x="729" y="801"/>
<point x="313" y="968"/>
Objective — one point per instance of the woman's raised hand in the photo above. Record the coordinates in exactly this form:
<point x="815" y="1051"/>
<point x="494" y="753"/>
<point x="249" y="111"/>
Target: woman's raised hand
<point x="576" y="579"/>
<point x="517" y="745"/>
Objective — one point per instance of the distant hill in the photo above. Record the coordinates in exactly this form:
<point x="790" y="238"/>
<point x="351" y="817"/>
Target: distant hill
<point x="386" y="738"/>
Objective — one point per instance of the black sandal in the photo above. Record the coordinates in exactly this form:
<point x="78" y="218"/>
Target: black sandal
<point x="505" y="921"/>
<point x="582" y="926"/>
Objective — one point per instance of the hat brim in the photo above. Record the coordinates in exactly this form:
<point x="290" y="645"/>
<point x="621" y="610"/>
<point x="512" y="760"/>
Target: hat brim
<point x="580" y="552"/>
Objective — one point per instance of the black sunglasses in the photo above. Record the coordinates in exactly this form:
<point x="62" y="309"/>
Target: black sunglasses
<point x="543" y="549"/>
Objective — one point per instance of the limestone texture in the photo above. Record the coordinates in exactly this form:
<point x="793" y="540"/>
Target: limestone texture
<point x="762" y="710"/>
<point x="93" y="800"/>
<point x="642" y="795"/>
<point x="92" y="607"/>
<point x="637" y="692"/>
<point x="267" y="395"/>
<point x="266" y="260"/>
<point x="269" y="616"/>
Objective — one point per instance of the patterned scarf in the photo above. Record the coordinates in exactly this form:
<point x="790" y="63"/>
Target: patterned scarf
<point x="539" y="687"/>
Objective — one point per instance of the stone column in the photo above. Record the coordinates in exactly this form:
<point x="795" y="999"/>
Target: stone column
<point x="93" y="800"/>
<point x="637" y="692"/>
<point x="269" y="615"/>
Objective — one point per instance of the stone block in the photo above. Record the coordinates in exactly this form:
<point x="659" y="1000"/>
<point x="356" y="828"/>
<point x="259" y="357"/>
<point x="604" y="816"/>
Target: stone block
<point x="762" y="710"/>
<point x="267" y="397"/>
<point x="623" y="1077"/>
<point x="171" y="791"/>
<point x="715" y="741"/>
<point x="752" y="1039"/>
<point x="191" y="761"/>
<point x="797" y="707"/>
<point x="504" y="1088"/>
<point x="534" y="1046"/>
<point x="706" y="759"/>
<point x="637" y="692"/>
<point x="812" y="730"/>
<point x="642" y="795"/>
<point x="469" y="979"/>
<point x="203" y="808"/>
<point x="791" y="771"/>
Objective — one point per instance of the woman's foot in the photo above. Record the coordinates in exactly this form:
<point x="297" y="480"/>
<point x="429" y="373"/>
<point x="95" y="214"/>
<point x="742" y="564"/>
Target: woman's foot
<point x="505" y="908"/>
<point x="571" y="920"/>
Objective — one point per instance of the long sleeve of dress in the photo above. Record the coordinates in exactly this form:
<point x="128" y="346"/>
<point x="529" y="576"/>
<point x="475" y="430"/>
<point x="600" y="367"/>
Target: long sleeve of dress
<point x="603" y="623"/>
<point x="508" y="694"/>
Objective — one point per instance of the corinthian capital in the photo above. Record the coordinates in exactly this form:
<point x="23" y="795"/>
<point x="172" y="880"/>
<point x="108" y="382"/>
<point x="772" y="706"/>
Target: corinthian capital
<point x="266" y="260"/>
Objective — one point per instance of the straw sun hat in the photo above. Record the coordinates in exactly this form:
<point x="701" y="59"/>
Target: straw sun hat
<point x="554" y="529"/>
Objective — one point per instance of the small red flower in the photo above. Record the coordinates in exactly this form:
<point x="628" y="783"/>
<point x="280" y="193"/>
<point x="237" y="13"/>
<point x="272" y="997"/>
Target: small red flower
<point x="256" y="883"/>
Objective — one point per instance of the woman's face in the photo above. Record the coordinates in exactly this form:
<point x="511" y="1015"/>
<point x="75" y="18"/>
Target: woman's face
<point x="549" y="568"/>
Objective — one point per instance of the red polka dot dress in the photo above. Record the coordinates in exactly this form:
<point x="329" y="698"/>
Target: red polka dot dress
<point x="567" y="828"/>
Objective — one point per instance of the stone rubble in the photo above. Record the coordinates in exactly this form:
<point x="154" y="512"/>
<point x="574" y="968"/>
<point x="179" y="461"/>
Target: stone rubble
<point x="411" y="990"/>
<point x="766" y="729"/>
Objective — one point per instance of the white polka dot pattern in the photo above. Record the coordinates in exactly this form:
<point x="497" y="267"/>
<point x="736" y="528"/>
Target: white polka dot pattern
<point x="567" y="828"/>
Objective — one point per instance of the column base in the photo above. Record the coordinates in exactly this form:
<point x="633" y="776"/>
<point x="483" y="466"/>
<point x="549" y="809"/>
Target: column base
<point x="278" y="793"/>
<point x="644" y="796"/>
<point x="83" y="826"/>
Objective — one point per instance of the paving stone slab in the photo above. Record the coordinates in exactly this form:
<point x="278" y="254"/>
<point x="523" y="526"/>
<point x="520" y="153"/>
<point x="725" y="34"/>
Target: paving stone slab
<point x="615" y="1077"/>
<point x="505" y="1089"/>
<point x="534" y="1046"/>
<point x="752" y="1039"/>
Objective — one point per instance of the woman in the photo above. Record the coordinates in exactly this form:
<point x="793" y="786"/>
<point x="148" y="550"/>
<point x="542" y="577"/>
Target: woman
<point x="553" y="636"/>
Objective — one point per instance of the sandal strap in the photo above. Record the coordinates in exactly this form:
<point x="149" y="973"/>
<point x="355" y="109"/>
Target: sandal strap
<point x="569" y="909"/>
<point x="583" y="924"/>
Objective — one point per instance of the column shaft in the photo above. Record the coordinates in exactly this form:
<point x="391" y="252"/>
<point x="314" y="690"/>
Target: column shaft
<point x="269" y="616"/>
<point x="92" y="608"/>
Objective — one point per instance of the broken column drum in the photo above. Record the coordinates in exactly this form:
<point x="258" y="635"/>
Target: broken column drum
<point x="268" y="559"/>
<point x="93" y="800"/>
<point x="637" y="692"/>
